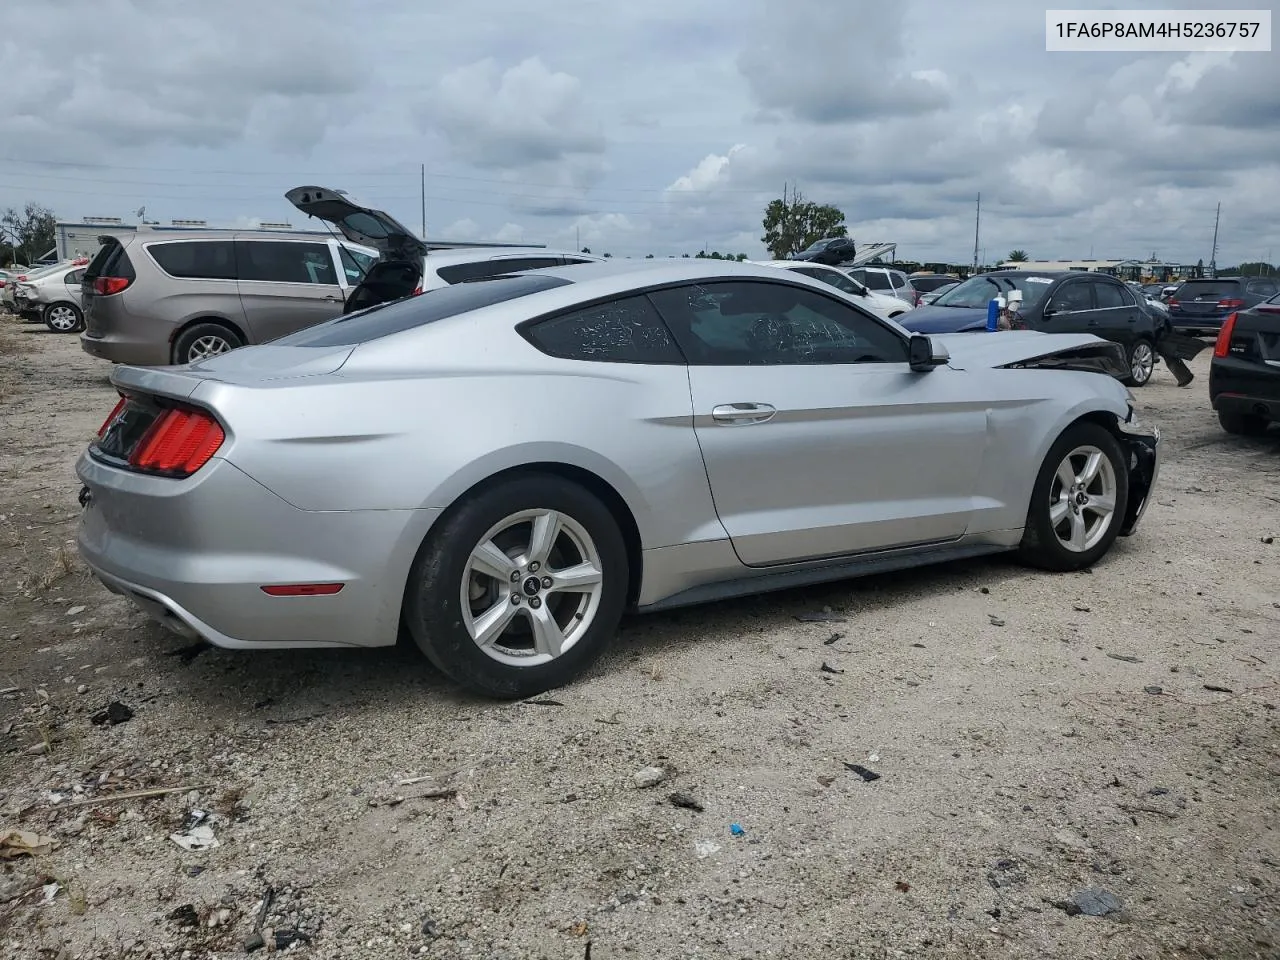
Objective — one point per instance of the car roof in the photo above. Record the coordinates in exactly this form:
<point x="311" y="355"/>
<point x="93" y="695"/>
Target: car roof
<point x="1220" y="279"/>
<point x="668" y="270"/>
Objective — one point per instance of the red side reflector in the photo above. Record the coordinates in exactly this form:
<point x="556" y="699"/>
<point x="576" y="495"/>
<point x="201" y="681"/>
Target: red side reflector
<point x="115" y="412"/>
<point x="302" y="589"/>
<point x="1223" y="345"/>
<point x="180" y="442"/>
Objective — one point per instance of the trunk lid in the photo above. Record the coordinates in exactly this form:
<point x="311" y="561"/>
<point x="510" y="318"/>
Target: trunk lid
<point x="358" y="223"/>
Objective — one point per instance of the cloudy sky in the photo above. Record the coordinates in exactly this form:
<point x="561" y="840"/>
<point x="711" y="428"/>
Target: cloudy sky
<point x="659" y="127"/>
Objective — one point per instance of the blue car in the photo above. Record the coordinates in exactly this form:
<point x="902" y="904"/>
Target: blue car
<point x="1065" y="301"/>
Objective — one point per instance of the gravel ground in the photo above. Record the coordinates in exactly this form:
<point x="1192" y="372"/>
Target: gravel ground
<point x="1105" y="740"/>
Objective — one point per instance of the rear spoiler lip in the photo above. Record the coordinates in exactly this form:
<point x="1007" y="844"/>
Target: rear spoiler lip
<point x="157" y="381"/>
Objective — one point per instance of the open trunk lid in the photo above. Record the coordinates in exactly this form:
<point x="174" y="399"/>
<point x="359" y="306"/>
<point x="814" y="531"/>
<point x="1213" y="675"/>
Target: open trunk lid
<point x="358" y="223"/>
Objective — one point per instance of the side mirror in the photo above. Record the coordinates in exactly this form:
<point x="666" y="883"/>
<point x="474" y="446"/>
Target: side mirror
<point x="923" y="354"/>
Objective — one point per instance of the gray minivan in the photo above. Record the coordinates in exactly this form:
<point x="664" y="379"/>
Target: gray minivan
<point x="164" y="297"/>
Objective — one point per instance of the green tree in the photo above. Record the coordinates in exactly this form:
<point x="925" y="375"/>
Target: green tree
<point x="1018" y="256"/>
<point x="31" y="233"/>
<point x="791" y="225"/>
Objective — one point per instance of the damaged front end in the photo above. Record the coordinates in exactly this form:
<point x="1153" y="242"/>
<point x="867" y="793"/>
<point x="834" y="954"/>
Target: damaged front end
<point x="1142" y="447"/>
<point x="1100" y="356"/>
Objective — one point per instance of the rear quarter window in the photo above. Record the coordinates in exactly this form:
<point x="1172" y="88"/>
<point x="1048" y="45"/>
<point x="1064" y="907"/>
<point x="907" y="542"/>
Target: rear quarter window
<point x="398" y="316"/>
<point x="628" y="330"/>
<point x="111" y="260"/>
<point x="195" y="259"/>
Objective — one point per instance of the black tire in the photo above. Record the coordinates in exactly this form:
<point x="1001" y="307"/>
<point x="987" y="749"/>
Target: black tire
<point x="1144" y="348"/>
<point x="433" y="595"/>
<point x="1041" y="546"/>
<point x="59" y="313"/>
<point x="185" y="348"/>
<point x="1243" y="424"/>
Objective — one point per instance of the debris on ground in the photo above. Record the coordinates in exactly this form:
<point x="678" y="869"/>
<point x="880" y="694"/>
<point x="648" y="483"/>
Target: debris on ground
<point x="1092" y="902"/>
<point x="1154" y="690"/>
<point x="832" y="639"/>
<point x="828" y="668"/>
<point x="1127" y="658"/>
<point x="821" y="616"/>
<point x="902" y="886"/>
<point x="185" y="915"/>
<point x="863" y="772"/>
<point x="995" y="621"/>
<point x="705" y="848"/>
<point x="1214" y="688"/>
<point x="113" y="714"/>
<point x="197" y="839"/>
<point x="685" y="801"/>
<point x="647" y="777"/>
<point x="735" y="829"/>
<point x="21" y="843"/>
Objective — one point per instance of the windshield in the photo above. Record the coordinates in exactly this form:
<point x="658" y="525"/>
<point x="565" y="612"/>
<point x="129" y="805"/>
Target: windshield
<point x="44" y="271"/>
<point x="976" y="292"/>
<point x="819" y="245"/>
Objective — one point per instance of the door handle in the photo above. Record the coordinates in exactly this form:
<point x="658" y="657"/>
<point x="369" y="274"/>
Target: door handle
<point x="734" y="414"/>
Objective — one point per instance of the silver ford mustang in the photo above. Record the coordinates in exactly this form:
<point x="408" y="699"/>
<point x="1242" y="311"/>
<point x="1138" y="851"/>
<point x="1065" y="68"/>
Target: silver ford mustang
<point x="502" y="468"/>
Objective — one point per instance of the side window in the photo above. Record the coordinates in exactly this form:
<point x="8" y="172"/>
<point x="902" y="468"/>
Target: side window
<point x="1109" y="295"/>
<point x="876" y="280"/>
<point x="573" y="260"/>
<point x="285" y="261"/>
<point x="195" y="259"/>
<point x="462" y="272"/>
<point x="752" y="322"/>
<point x="1072" y="296"/>
<point x="836" y="278"/>
<point x="516" y="264"/>
<point x="73" y="278"/>
<point x="354" y="264"/>
<point x="1263" y="288"/>
<point x="620" y="331"/>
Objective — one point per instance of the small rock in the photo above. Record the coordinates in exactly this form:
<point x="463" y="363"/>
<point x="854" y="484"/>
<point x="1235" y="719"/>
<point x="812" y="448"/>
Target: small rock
<point x="82" y="689"/>
<point x="1095" y="902"/>
<point x="76" y="611"/>
<point x="254" y="942"/>
<point x="1080" y="608"/>
<point x="867" y="775"/>
<point x="649" y="777"/>
<point x="1124" y="656"/>
<point x="1153" y="690"/>
<point x="1268" y="540"/>
<point x="185" y="916"/>
<point x="984" y="590"/>
<point x="114" y="713"/>
<point x="828" y="668"/>
<point x="428" y="927"/>
<point x="995" y="621"/>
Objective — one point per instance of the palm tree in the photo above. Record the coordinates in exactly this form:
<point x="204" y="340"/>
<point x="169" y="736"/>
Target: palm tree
<point x="1018" y="256"/>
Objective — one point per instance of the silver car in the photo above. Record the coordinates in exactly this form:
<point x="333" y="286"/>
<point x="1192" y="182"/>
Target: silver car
<point x="504" y="467"/>
<point x="53" y="296"/>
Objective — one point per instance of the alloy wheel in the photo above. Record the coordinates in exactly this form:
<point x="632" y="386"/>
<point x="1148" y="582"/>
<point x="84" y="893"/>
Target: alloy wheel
<point x="206" y="347"/>
<point x="63" y="319"/>
<point x="1142" y="362"/>
<point x="531" y="587"/>
<point x="1082" y="498"/>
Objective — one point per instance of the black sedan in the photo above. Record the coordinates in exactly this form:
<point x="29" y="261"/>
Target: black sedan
<point x="1244" y="375"/>
<point x="1055" y="302"/>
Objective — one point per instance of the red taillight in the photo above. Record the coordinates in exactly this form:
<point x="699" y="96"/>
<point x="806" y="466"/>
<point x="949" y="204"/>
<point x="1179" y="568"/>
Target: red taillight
<point x="1223" y="345"/>
<point x="105" y="286"/>
<point x="1230" y="304"/>
<point x="115" y="412"/>
<point x="1171" y="302"/>
<point x="302" y="589"/>
<point x="179" y="443"/>
<point x="416" y="290"/>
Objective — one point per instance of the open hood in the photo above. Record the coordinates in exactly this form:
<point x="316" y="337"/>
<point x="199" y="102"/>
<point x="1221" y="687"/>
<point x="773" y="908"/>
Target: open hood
<point x="358" y="223"/>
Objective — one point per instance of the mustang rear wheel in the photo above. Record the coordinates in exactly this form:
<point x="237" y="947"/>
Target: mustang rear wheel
<point x="1079" y="500"/>
<point x="520" y="588"/>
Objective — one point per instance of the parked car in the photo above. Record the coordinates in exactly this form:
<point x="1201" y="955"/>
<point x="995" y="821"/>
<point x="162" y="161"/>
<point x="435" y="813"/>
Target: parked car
<point x="405" y="266"/>
<point x="888" y="308"/>
<point x="53" y="296"/>
<point x="505" y="466"/>
<point x="884" y="280"/>
<point x="830" y="251"/>
<point x="155" y="298"/>
<point x="933" y="295"/>
<point x="1064" y="301"/>
<point x="926" y="283"/>
<point x="8" y="295"/>
<point x="1244" y="374"/>
<point x="1200" y="306"/>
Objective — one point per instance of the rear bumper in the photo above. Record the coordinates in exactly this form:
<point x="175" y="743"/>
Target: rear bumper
<point x="1143" y="447"/>
<point x="1182" y="322"/>
<point x="138" y="353"/>
<point x="1245" y="387"/>
<point x="194" y="555"/>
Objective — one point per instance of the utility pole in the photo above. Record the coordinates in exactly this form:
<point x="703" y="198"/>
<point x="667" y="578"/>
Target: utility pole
<point x="977" y="220"/>
<point x="424" y="201"/>
<point x="1213" y="256"/>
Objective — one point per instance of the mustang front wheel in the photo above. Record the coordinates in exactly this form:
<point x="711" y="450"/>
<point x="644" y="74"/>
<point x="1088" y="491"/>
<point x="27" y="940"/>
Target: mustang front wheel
<point x="1079" y="500"/>
<point x="520" y="588"/>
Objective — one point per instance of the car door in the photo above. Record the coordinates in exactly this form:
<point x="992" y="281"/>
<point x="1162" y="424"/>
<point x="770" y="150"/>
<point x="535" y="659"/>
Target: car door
<point x="819" y="440"/>
<point x="1069" y="308"/>
<point x="286" y="285"/>
<point x="72" y="282"/>
<point x="1116" y="314"/>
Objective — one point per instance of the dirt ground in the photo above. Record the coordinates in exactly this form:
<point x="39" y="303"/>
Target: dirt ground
<point x="1106" y="740"/>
